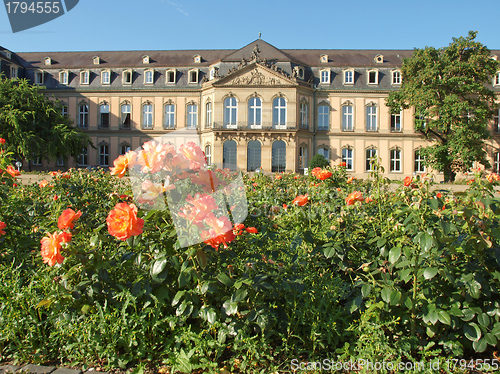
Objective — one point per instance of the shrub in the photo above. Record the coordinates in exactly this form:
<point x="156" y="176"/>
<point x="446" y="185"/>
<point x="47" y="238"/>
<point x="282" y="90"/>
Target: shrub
<point x="318" y="161"/>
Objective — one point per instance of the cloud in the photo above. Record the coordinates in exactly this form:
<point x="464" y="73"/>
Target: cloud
<point x="178" y="7"/>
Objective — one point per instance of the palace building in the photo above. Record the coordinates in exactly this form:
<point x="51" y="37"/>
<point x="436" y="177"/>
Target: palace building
<point x="255" y="107"/>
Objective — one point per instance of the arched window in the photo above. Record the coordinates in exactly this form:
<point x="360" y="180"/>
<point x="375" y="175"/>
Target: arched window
<point x="279" y="112"/>
<point x="371" y="118"/>
<point x="303" y="115"/>
<point x="347" y="118"/>
<point x="325" y="152"/>
<point x="230" y="112"/>
<point x="104" y="116"/>
<point x="208" y="154"/>
<point x="125" y="148"/>
<point x="395" y="162"/>
<point x="147" y="116"/>
<point x="126" y="112"/>
<point x="104" y="155"/>
<point x="192" y="116"/>
<point x="371" y="154"/>
<point x="229" y="155"/>
<point x="208" y="117"/>
<point x="255" y="112"/>
<point x="253" y="155"/>
<point x="323" y="118"/>
<point x="278" y="163"/>
<point x="169" y="116"/>
<point x="83" y="116"/>
<point x="347" y="158"/>
<point x="419" y="166"/>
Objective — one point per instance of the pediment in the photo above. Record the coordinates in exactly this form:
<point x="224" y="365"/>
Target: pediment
<point x="255" y="75"/>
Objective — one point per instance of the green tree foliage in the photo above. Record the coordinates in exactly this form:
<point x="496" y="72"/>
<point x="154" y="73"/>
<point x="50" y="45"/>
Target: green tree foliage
<point x="318" y="161"/>
<point x="449" y="89"/>
<point x="33" y="125"/>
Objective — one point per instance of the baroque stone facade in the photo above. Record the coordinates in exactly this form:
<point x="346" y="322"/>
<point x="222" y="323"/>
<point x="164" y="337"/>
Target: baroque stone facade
<point x="257" y="106"/>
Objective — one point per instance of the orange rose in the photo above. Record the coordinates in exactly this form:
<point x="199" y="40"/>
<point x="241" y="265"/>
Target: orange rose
<point x="277" y="176"/>
<point x="353" y="197"/>
<point x="220" y="232"/>
<point x="315" y="170"/>
<point x="2" y="226"/>
<point x="123" y="222"/>
<point x="252" y="230"/>
<point x="323" y="174"/>
<point x="194" y="154"/>
<point x="301" y="200"/>
<point x="350" y="180"/>
<point x="51" y="247"/>
<point x="238" y="229"/>
<point x="123" y="163"/>
<point x="13" y="172"/>
<point x="67" y="219"/>
<point x="407" y="181"/>
<point x="2" y="141"/>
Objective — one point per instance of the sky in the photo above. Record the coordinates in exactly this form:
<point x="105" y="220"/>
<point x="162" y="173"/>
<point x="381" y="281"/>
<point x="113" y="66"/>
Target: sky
<point x="105" y="25"/>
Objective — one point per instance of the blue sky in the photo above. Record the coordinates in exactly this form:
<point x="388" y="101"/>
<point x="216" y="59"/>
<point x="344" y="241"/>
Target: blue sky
<point x="96" y="25"/>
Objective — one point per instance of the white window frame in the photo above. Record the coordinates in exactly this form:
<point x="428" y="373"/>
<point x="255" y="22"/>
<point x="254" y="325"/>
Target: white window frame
<point x="82" y="159"/>
<point x="83" y="116"/>
<point x="13" y="72"/>
<point x="303" y="161"/>
<point x="169" y="116"/>
<point x="230" y="112"/>
<point x="149" y="76"/>
<point x="122" y="113"/>
<point x="253" y="110"/>
<point x="126" y="73"/>
<point x="104" y="153"/>
<point x="321" y="117"/>
<point x="396" y="77"/>
<point x="208" y="154"/>
<point x="496" y="80"/>
<point x="348" y="117"/>
<point x="393" y="121"/>
<point x="63" y="77"/>
<point x="208" y="115"/>
<point x="39" y="77"/>
<point x="418" y="164"/>
<point x="85" y="77"/>
<point x="147" y="116"/>
<point x="104" y="106"/>
<point x="369" y="73"/>
<point x="349" y="80"/>
<point x="124" y="148"/>
<point x="105" y="77"/>
<point x="196" y="76"/>
<point x="325" y="152"/>
<point x="192" y="116"/>
<point x="64" y="110"/>
<point x="347" y="157"/>
<point x="304" y="108"/>
<point x="369" y="154"/>
<point x="171" y="73"/>
<point x="279" y="122"/>
<point x="325" y="76"/>
<point x="371" y="118"/>
<point x="395" y="160"/>
<point x="496" y="122"/>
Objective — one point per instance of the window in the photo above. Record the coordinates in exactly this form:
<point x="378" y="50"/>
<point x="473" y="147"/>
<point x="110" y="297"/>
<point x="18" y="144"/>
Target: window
<point x="497" y="79"/>
<point x="255" y="112"/>
<point x="347" y="158"/>
<point x="104" y="155"/>
<point x="229" y="155"/>
<point x="419" y="166"/>
<point x="64" y="110"/>
<point x="395" y="162"/>
<point x="323" y="118"/>
<point x="349" y="77"/>
<point x="83" y="116"/>
<point x="84" y="77"/>
<point x="496" y="162"/>
<point x="303" y="115"/>
<point x="169" y="116"/>
<point x="104" y="120"/>
<point x="373" y="77"/>
<point x="193" y="76"/>
<point x="60" y="161"/>
<point x="208" y="154"/>
<point x="127" y="77"/>
<point x="347" y="118"/>
<point x="171" y="76"/>
<point x="396" y="122"/>
<point x="39" y="77"/>
<point x="105" y="77"/>
<point x="126" y="111"/>
<point x="13" y="72"/>
<point x="82" y="158"/>
<point x="147" y="116"/>
<point x="253" y="155"/>
<point x="496" y="122"/>
<point x="208" y="116"/>
<point x="192" y="116"/>
<point x="325" y="152"/>
<point x="396" y="77"/>
<point x="371" y="153"/>
<point x="371" y="118"/>
<point x="149" y="77"/>
<point x="325" y="76"/>
<point x="212" y="74"/>
<point x="230" y="112"/>
<point x="279" y="113"/>
<point x="278" y="162"/>
<point x="37" y="161"/>
<point x="303" y="158"/>
<point x="63" y="77"/>
<point x="125" y="148"/>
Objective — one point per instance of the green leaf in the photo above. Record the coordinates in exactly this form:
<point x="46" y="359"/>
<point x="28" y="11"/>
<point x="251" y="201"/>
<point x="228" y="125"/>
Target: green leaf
<point x="394" y="254"/>
<point x="430" y="273"/>
<point x="158" y="266"/>
<point x="433" y="316"/>
<point x="483" y="319"/>
<point x="329" y="251"/>
<point x="395" y="297"/>
<point x="386" y="294"/>
<point x="45" y="303"/>
<point x="480" y="346"/>
<point x="365" y="290"/>
<point x="472" y="332"/>
<point x="177" y="297"/>
<point x="355" y="304"/>
<point x="239" y="295"/>
<point x="224" y="279"/>
<point x="184" y="278"/>
<point x="444" y="317"/>
<point x="201" y="257"/>
<point x="405" y="275"/>
<point x="230" y="307"/>
<point x="426" y="242"/>
<point x="381" y="242"/>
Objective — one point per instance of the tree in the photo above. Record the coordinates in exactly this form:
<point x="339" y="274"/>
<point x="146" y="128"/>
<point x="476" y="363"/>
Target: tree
<point x="318" y="161"/>
<point x="448" y="87"/>
<point x="33" y="126"/>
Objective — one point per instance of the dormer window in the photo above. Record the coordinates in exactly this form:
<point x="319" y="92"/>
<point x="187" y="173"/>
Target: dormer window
<point x="396" y="77"/>
<point x="193" y="76"/>
<point x="63" y="77"/>
<point x="325" y="76"/>
<point x="13" y="72"/>
<point x="48" y="61"/>
<point x="96" y="60"/>
<point x="171" y="76"/>
<point x="84" y="77"/>
<point x="349" y="76"/>
<point x="105" y="77"/>
<point x="372" y="76"/>
<point x="149" y="76"/>
<point x="379" y="59"/>
<point x="127" y="77"/>
<point x="145" y="59"/>
<point x="39" y="75"/>
<point x="8" y="55"/>
<point x="299" y="72"/>
<point x="197" y="59"/>
<point x="212" y="73"/>
<point x="323" y="58"/>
